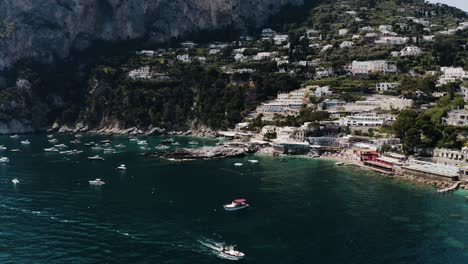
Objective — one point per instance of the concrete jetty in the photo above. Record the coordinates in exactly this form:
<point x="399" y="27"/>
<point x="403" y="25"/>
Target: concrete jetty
<point x="449" y="189"/>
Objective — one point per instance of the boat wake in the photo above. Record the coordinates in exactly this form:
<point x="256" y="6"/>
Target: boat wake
<point x="212" y="247"/>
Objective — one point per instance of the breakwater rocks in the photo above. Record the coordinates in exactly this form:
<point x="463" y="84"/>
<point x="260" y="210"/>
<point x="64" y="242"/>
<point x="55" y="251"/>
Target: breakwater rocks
<point x="434" y="183"/>
<point x="206" y="153"/>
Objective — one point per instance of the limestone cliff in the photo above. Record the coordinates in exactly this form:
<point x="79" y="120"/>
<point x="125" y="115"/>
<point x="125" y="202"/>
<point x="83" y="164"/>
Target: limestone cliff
<point x="49" y="29"/>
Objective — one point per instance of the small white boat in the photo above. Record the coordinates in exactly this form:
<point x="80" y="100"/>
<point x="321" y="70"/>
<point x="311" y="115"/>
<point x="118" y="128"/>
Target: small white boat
<point x="97" y="182"/>
<point x="25" y="142"/>
<point x="89" y="144"/>
<point x="4" y="160"/>
<point x="253" y="161"/>
<point x="53" y="141"/>
<point x="15" y="181"/>
<point x="133" y="139"/>
<point x="145" y="148"/>
<point x="231" y="252"/>
<point x="339" y="163"/>
<point x="238" y="164"/>
<point x="176" y="144"/>
<point x="166" y="141"/>
<point x="109" y="151"/>
<point x="96" y="148"/>
<point x="97" y="157"/>
<point x="15" y="150"/>
<point x="50" y="136"/>
<point x="14" y="136"/>
<point x="162" y="147"/>
<point x="237" y="204"/>
<point x="106" y="141"/>
<point x="2" y="147"/>
<point x="61" y="146"/>
<point x="122" y="167"/>
<point x="51" y="149"/>
<point x="120" y="146"/>
<point x="142" y="142"/>
<point x="78" y="135"/>
<point x="193" y="143"/>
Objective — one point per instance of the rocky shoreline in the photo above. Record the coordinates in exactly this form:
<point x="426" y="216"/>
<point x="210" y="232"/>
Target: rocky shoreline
<point x="204" y="153"/>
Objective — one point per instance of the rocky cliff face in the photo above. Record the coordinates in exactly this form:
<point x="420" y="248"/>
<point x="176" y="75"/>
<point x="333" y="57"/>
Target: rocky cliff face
<point x="49" y="29"/>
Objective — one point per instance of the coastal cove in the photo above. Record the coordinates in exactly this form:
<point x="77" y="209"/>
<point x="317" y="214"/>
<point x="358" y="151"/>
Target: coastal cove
<point x="302" y="210"/>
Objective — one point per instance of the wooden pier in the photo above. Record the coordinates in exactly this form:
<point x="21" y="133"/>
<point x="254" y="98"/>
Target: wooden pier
<point x="449" y="189"/>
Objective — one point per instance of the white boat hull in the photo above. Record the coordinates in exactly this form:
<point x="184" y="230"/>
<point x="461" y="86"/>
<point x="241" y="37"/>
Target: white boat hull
<point x="228" y="208"/>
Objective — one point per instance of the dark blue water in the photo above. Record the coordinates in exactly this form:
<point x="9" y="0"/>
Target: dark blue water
<point x="303" y="211"/>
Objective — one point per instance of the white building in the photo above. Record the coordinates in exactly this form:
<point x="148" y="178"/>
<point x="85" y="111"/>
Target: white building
<point x="392" y="40"/>
<point x="385" y="28"/>
<point x="146" y="52"/>
<point x="188" y="44"/>
<point x="285" y="104"/>
<point x="184" y="58"/>
<point x="324" y="72"/>
<point x="366" y="67"/>
<point x="386" y="86"/>
<point x="453" y="72"/>
<point x="456" y="118"/>
<point x="280" y="39"/>
<point x="410" y="51"/>
<point x="367" y="29"/>
<point x="264" y="56"/>
<point x="268" y="33"/>
<point x="366" y="120"/>
<point x="346" y="44"/>
<point x="343" y="31"/>
<point x="464" y="92"/>
<point x="319" y="91"/>
<point x="140" y="73"/>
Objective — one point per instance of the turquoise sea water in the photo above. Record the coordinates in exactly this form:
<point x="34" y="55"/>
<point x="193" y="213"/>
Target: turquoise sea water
<point x="302" y="210"/>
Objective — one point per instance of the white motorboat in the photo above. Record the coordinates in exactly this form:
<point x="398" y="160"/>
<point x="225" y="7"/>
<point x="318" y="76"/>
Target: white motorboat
<point x="109" y="151"/>
<point x="231" y="252"/>
<point x="78" y="135"/>
<point x="51" y="149"/>
<point x="142" y="142"/>
<point x="97" y="182"/>
<point x="15" y="181"/>
<point x="238" y="164"/>
<point x="96" y="148"/>
<point x="253" y="161"/>
<point x="15" y="150"/>
<point x="97" y="157"/>
<point x="14" y="136"/>
<point x="61" y="146"/>
<point x="2" y="147"/>
<point x="4" y="160"/>
<point x="133" y="139"/>
<point x="120" y="146"/>
<point x="193" y="143"/>
<point x="89" y="144"/>
<point x="237" y="204"/>
<point x="166" y="141"/>
<point x="53" y="141"/>
<point x="162" y="147"/>
<point x="50" y="136"/>
<point x="176" y="144"/>
<point x="122" y="167"/>
<point x="25" y="142"/>
<point x="339" y="163"/>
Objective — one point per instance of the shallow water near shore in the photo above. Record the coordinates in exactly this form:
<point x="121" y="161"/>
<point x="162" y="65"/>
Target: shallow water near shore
<point x="302" y="210"/>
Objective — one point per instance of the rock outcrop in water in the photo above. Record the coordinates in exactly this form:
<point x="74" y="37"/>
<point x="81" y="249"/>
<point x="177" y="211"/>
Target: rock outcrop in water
<point x="49" y="29"/>
<point x="205" y="153"/>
